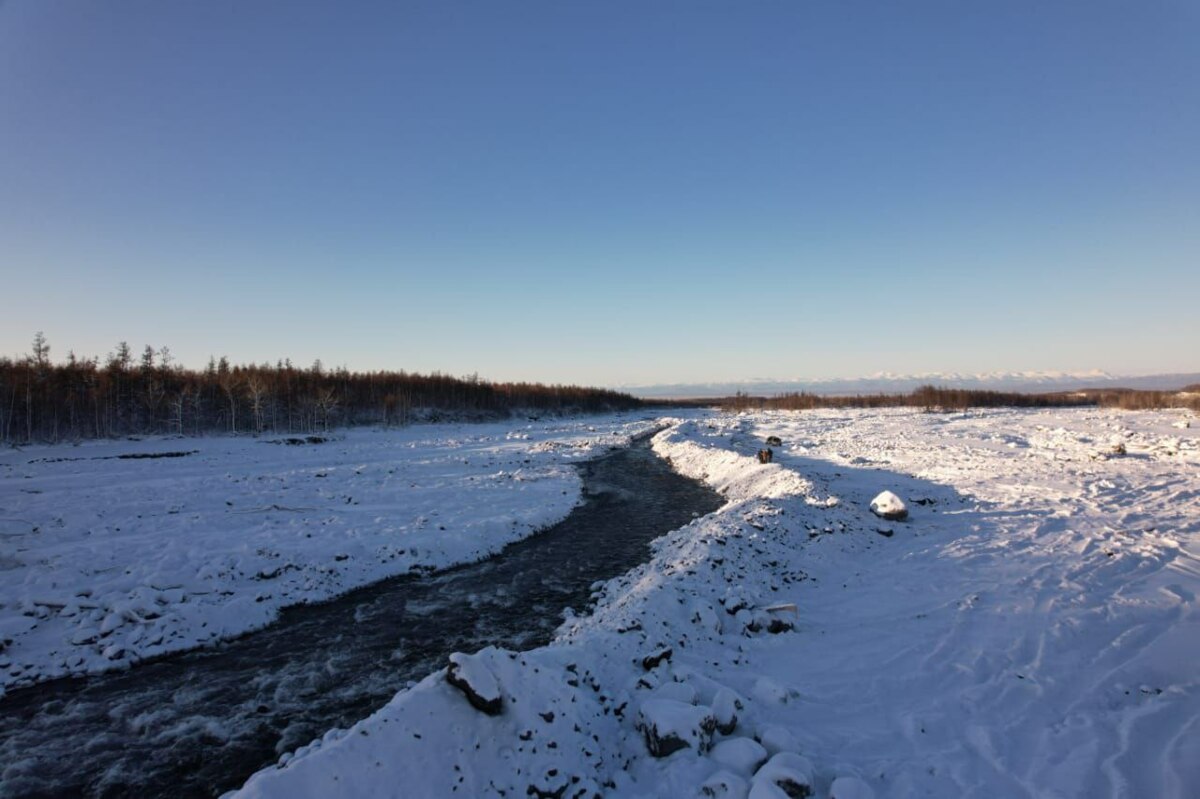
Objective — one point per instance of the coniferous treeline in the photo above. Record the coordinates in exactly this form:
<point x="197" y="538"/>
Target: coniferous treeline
<point x="936" y="398"/>
<point x="1134" y="400"/>
<point x="126" y="395"/>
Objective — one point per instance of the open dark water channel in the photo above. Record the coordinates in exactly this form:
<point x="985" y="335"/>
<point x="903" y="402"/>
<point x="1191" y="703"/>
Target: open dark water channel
<point x="200" y="723"/>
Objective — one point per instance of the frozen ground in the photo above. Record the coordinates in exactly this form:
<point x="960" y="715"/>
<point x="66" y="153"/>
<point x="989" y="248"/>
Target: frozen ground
<point x="107" y="559"/>
<point x="1029" y="630"/>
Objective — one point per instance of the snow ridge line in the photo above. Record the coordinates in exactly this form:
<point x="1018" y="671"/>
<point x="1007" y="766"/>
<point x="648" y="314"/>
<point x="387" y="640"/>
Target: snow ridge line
<point x="738" y="477"/>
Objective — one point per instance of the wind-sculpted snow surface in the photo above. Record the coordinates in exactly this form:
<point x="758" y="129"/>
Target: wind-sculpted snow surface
<point x="1029" y="629"/>
<point x="117" y="551"/>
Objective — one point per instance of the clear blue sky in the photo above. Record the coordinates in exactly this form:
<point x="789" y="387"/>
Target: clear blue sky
<point x="606" y="192"/>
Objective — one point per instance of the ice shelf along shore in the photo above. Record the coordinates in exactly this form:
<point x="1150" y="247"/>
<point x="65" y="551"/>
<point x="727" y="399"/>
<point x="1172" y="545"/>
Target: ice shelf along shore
<point x="1029" y="628"/>
<point x="112" y="552"/>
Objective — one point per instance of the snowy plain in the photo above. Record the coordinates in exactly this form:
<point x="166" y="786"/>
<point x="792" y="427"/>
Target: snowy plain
<point x="109" y="556"/>
<point x="1030" y="629"/>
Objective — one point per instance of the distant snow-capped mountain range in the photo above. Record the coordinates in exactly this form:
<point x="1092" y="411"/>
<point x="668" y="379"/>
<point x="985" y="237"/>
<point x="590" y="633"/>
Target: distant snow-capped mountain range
<point x="887" y="382"/>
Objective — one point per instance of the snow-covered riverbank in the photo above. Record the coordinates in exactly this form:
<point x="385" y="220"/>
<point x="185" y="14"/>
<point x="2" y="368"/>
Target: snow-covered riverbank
<point x="1030" y="629"/>
<point x="106" y="559"/>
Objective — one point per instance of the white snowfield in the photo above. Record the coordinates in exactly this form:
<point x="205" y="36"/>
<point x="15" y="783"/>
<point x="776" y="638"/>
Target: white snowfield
<point x="1030" y="629"/>
<point x="106" y="560"/>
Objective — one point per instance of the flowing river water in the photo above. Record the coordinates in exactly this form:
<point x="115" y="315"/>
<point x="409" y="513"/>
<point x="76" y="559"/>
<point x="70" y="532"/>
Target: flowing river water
<point x="201" y="722"/>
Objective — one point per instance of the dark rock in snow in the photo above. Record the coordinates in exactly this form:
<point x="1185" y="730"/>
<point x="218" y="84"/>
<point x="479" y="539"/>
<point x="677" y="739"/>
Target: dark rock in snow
<point x="553" y="784"/>
<point x="469" y="675"/>
<point x="774" y="441"/>
<point x="652" y="660"/>
<point x="777" y="625"/>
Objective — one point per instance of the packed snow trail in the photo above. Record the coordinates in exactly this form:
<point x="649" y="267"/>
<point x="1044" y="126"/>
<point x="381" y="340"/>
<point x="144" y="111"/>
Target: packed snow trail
<point x="201" y="722"/>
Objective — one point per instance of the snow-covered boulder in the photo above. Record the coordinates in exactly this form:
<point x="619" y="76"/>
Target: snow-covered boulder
<point x="768" y="790"/>
<point x="735" y="599"/>
<point x="679" y="691"/>
<point x="724" y="785"/>
<point x="750" y="621"/>
<point x="469" y="674"/>
<point x="739" y="755"/>
<point x="777" y="739"/>
<point x="850" y="788"/>
<point x="770" y="692"/>
<point x="784" y="775"/>
<point x="889" y="506"/>
<point x="726" y="706"/>
<point x="704" y="615"/>
<point x="84" y="636"/>
<point x="668" y="725"/>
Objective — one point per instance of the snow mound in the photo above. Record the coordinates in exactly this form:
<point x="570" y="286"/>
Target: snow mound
<point x="784" y="775"/>
<point x="850" y="788"/>
<point x="739" y="755"/>
<point x="724" y="785"/>
<point x="726" y="706"/>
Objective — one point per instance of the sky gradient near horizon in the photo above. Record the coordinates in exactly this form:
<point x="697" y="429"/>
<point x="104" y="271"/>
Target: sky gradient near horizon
<point x="606" y="193"/>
